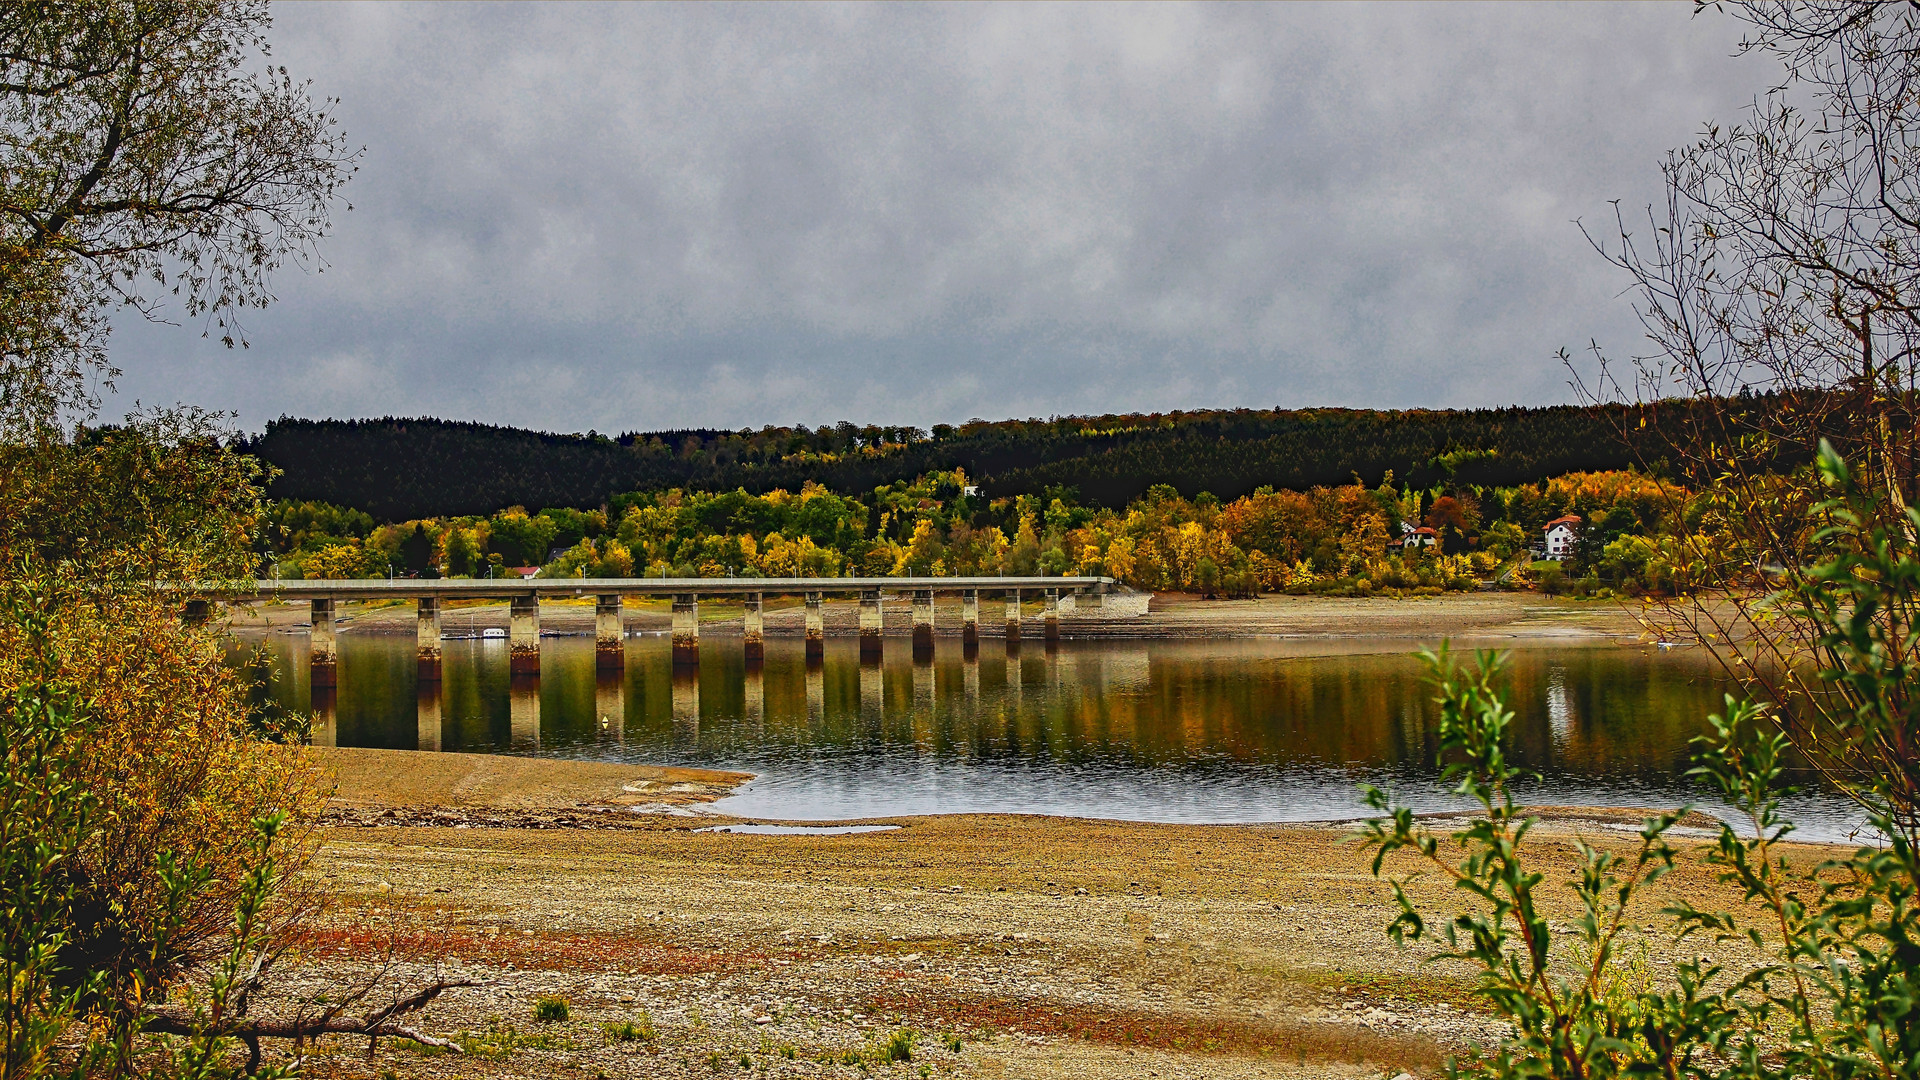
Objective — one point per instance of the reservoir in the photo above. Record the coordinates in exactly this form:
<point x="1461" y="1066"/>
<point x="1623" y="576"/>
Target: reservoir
<point x="1216" y="731"/>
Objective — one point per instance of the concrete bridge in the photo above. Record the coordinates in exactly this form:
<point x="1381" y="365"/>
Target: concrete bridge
<point x="524" y="596"/>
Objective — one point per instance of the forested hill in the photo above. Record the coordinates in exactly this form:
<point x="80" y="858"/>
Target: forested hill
<point x="400" y="469"/>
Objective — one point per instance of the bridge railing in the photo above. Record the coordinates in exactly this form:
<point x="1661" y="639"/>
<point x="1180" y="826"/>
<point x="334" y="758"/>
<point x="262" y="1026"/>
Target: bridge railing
<point x="503" y="588"/>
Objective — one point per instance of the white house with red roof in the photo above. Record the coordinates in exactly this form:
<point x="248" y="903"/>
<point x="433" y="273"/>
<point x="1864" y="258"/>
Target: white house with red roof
<point x="1561" y="532"/>
<point x="1421" y="537"/>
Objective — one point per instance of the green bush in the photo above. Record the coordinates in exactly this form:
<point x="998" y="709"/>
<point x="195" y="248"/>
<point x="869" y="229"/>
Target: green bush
<point x="1836" y="990"/>
<point x="44" y="821"/>
<point x="639" y="1029"/>
<point x="550" y="1009"/>
<point x="1838" y="994"/>
<point x="900" y="1045"/>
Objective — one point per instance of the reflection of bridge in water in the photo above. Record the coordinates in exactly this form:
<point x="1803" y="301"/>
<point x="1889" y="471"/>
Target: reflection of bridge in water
<point x="1078" y="595"/>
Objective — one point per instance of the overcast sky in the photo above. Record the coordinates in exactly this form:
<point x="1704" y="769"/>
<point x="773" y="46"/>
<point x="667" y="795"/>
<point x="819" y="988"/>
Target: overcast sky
<point x="646" y="216"/>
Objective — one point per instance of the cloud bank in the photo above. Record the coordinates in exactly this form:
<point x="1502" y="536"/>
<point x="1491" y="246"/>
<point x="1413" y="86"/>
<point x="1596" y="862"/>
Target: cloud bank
<point x="647" y="216"/>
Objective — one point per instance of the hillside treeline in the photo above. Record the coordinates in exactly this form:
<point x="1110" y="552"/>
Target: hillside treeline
<point x="1636" y="534"/>
<point x="400" y="469"/>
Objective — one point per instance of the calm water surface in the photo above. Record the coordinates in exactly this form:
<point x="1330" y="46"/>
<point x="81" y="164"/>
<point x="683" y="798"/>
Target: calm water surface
<point x="1156" y="731"/>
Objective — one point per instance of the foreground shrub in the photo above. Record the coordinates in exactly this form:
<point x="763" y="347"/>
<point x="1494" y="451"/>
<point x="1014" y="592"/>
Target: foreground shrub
<point x="1833" y="996"/>
<point x="132" y="849"/>
<point x="44" y="819"/>
<point x="1835" y="991"/>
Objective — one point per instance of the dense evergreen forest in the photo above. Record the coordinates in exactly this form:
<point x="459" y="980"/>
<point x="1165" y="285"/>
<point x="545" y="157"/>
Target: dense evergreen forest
<point x="401" y="469"/>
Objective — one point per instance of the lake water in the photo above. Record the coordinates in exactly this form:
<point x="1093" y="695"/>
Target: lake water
<point x="1213" y="731"/>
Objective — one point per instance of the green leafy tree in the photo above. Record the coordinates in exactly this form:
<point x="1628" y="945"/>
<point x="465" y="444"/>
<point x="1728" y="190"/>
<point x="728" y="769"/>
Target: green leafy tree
<point x="462" y="554"/>
<point x="520" y="540"/>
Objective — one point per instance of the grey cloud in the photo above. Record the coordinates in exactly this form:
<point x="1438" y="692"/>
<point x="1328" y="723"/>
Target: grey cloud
<point x="648" y="216"/>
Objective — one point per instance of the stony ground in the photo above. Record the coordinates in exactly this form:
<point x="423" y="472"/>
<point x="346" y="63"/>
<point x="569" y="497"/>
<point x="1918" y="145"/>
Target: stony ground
<point x="953" y="946"/>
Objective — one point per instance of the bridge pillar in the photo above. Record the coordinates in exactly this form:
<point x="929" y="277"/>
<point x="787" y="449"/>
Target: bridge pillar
<point x="871" y="624"/>
<point x="1013" y="617"/>
<point x="609" y="633"/>
<point x="753" y="629"/>
<point x="323" y="659"/>
<point x="426" y="639"/>
<point x="1052" y="622"/>
<point x="816" y="627"/>
<point x="686" y="630"/>
<point x="970" y="619"/>
<point x="923" y="624"/>
<point x="523" y="639"/>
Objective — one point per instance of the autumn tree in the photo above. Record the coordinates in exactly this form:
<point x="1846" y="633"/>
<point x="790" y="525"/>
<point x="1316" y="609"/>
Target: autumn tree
<point x="151" y="155"/>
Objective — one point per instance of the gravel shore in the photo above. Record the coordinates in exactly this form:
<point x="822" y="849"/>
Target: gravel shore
<point x="976" y="946"/>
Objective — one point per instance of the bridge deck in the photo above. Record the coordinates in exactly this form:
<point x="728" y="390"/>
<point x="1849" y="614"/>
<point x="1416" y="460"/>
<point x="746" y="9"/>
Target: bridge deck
<point x="464" y="588"/>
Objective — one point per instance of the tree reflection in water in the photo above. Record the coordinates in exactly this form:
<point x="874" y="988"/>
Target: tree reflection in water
<point x="1176" y="731"/>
